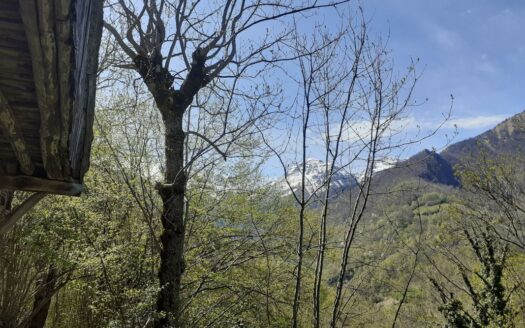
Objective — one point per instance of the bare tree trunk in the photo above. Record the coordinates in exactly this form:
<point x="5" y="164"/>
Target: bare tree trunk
<point x="319" y="265"/>
<point x="172" y="239"/>
<point x="172" y="105"/>
<point x="360" y="204"/>
<point x="303" y="203"/>
<point x="300" y="254"/>
<point x="42" y="302"/>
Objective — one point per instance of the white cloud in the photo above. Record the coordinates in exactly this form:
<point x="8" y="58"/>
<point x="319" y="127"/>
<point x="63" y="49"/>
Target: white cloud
<point x="465" y="123"/>
<point x="360" y="129"/>
<point x="475" y="122"/>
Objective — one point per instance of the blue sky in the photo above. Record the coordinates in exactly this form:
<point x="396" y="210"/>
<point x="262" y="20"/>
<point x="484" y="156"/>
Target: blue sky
<point x="473" y="49"/>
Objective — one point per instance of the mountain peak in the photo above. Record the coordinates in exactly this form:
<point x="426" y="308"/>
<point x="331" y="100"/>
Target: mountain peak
<point x="510" y="126"/>
<point x="315" y="177"/>
<point x="505" y="138"/>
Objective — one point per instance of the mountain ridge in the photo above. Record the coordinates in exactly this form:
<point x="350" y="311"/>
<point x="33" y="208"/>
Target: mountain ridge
<point x="426" y="166"/>
<point x="505" y="138"/>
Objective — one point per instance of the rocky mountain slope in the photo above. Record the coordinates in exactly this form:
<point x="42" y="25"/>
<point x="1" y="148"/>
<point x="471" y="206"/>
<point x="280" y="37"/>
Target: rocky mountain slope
<point x="426" y="165"/>
<point x="507" y="138"/>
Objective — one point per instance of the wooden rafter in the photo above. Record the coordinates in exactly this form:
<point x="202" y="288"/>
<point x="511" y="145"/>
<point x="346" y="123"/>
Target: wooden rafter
<point x="14" y="135"/>
<point x="87" y="36"/>
<point x="38" y="17"/>
<point x="64" y="35"/>
<point x="40" y="185"/>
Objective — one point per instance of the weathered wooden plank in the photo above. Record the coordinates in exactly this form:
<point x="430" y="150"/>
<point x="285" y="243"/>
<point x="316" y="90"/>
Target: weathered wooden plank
<point x="20" y="102"/>
<point x="31" y="136"/>
<point x="27" y="120"/>
<point x="9" y="5"/>
<point x="13" y="133"/>
<point x="93" y="42"/>
<point x="9" y="14"/>
<point x="8" y="156"/>
<point x="87" y="35"/>
<point x="16" y="96"/>
<point x="38" y="23"/>
<point x="32" y="144"/>
<point x="18" y="77"/>
<point x="33" y="147"/>
<point x="27" y="183"/>
<point x="18" y="36"/>
<point x="29" y="133"/>
<point x="17" y="84"/>
<point x="11" y="25"/>
<point x="15" y="43"/>
<point x="15" y="19"/>
<point x="18" y="62"/>
<point x="51" y="124"/>
<point x="49" y="63"/>
<point x="9" y="167"/>
<point x="25" y="109"/>
<point x="78" y="133"/>
<point x="13" y="54"/>
<point x="64" y="58"/>
<point x="10" y="67"/>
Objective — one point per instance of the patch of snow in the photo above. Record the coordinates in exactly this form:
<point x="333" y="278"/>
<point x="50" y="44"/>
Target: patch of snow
<point x="315" y="178"/>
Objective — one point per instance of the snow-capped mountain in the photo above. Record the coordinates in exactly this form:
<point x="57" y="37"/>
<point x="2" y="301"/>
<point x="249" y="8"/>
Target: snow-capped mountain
<point x="315" y="178"/>
<point x="380" y="165"/>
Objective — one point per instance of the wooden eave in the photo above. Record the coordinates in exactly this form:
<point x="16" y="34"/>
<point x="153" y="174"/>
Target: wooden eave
<point x="48" y="64"/>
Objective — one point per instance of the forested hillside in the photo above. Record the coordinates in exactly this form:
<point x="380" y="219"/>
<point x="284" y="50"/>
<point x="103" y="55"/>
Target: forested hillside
<point x="96" y="257"/>
<point x="248" y="169"/>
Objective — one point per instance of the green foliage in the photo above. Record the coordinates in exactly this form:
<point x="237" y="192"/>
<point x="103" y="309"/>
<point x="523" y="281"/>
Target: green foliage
<point x="241" y="254"/>
<point x="487" y="292"/>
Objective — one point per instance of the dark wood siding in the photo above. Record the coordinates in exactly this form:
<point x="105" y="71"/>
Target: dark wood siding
<point x="48" y="65"/>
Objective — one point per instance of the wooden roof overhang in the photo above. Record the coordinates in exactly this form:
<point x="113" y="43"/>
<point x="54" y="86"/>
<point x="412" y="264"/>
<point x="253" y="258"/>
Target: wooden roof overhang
<point x="48" y="66"/>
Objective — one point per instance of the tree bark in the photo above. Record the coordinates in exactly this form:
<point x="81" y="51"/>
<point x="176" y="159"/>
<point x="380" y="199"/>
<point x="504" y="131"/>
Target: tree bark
<point x="172" y="105"/>
<point x="172" y="238"/>
<point x="42" y="302"/>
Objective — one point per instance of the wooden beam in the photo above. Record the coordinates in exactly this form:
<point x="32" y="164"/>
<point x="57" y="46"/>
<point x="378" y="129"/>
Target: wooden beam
<point x="27" y="183"/>
<point x="64" y="36"/>
<point x="38" y="18"/>
<point x="88" y="31"/>
<point x="10" y="220"/>
<point x="95" y="36"/>
<point x="13" y="133"/>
